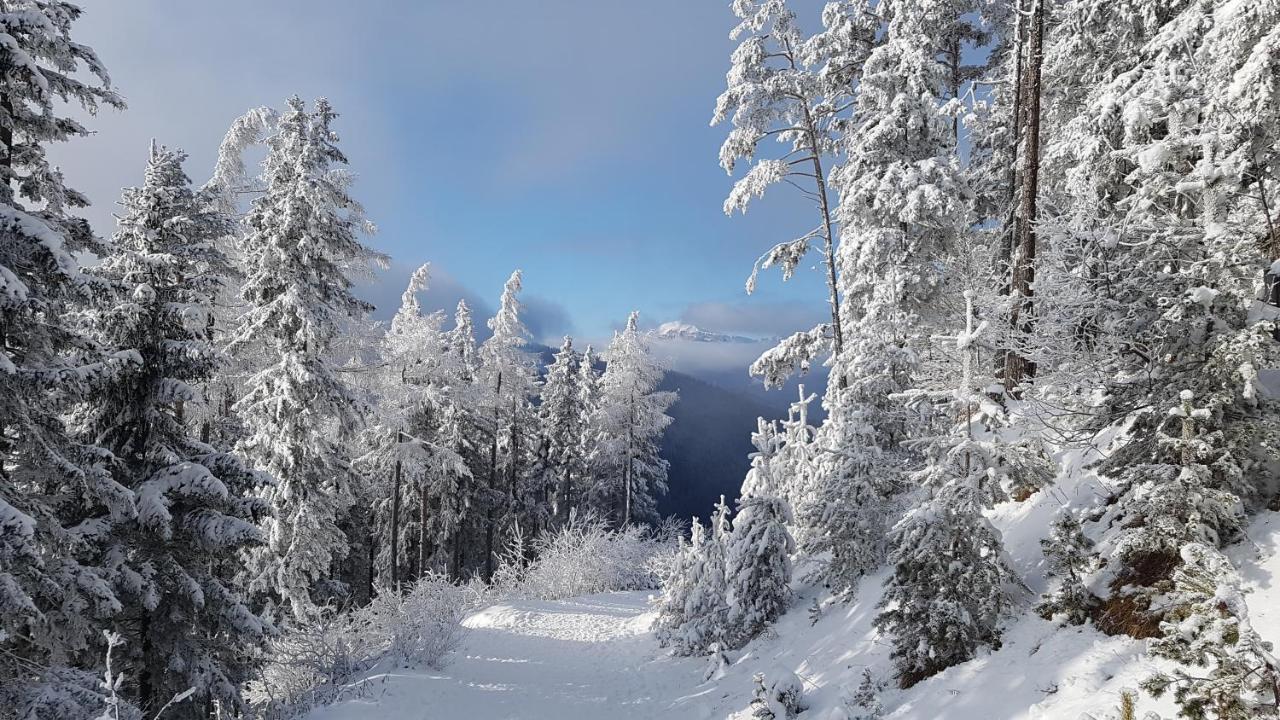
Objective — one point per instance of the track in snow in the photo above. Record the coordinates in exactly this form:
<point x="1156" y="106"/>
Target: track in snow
<point x="590" y="657"/>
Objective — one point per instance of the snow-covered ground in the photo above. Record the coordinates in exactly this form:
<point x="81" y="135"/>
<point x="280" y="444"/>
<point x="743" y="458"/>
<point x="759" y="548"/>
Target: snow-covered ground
<point x="589" y="657"/>
<point x="594" y="657"/>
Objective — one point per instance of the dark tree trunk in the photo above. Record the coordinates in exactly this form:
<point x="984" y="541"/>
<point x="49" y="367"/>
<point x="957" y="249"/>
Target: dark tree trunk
<point x="1019" y="367"/>
<point x="395" y="524"/>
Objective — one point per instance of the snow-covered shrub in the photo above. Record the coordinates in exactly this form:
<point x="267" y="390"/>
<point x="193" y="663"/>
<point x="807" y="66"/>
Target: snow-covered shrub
<point x="312" y="663"/>
<point x="781" y="697"/>
<point x="584" y="557"/>
<point x="422" y="626"/>
<point x="308" y="664"/>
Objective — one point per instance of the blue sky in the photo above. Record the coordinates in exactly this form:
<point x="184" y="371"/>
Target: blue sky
<point x="566" y="138"/>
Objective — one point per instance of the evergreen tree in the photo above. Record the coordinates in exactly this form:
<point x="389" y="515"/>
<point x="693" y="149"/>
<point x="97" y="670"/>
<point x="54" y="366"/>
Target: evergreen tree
<point x="507" y="377"/>
<point x="693" y="610"/>
<point x="846" y="512"/>
<point x="1182" y="497"/>
<point x="631" y="473"/>
<point x="563" y="422"/>
<point x="415" y="443"/>
<point x="186" y="622"/>
<point x="1208" y="627"/>
<point x="463" y="369"/>
<point x="757" y="567"/>
<point x="1069" y="555"/>
<point x="50" y="603"/>
<point x="589" y="445"/>
<point x="303" y="235"/>
<point x="946" y="595"/>
<point x="947" y="592"/>
<point x="677" y="586"/>
<point x="784" y="87"/>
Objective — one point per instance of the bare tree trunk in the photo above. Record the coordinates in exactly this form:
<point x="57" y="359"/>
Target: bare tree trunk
<point x="424" y="514"/>
<point x="824" y="207"/>
<point x="626" y="471"/>
<point x="1004" y="258"/>
<point x="1019" y="367"/>
<point x="491" y="511"/>
<point x="395" y="525"/>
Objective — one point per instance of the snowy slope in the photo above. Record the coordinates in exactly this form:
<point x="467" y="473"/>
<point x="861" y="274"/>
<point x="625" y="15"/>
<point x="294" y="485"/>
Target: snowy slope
<point x="1041" y="671"/>
<point x="594" y="657"/>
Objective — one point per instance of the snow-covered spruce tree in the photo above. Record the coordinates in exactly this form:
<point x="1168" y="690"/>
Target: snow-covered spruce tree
<point x="903" y="203"/>
<point x="51" y="605"/>
<point x="846" y="512"/>
<point x="303" y="236"/>
<point x="463" y="360"/>
<point x="677" y="586"/>
<point x="1182" y="496"/>
<point x="230" y="183"/>
<point x="757" y="567"/>
<point x="507" y="377"/>
<point x="1208" y="627"/>
<point x="1069" y="554"/>
<point x="947" y="592"/>
<point x="765" y="478"/>
<point x="700" y="626"/>
<point x="414" y="444"/>
<point x="588" y="451"/>
<point x="562" y="423"/>
<point x="631" y="473"/>
<point x="185" y="621"/>
<point x="793" y="461"/>
<point x="793" y="90"/>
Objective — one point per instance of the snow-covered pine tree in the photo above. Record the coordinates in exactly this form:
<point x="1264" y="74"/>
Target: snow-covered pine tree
<point x="1182" y="495"/>
<point x="507" y="377"/>
<point x="185" y="620"/>
<point x="677" y="586"/>
<point x="303" y="236"/>
<point x="794" y="459"/>
<point x="631" y="473"/>
<point x="706" y="630"/>
<point x="757" y="567"/>
<point x="903" y="204"/>
<point x="947" y="592"/>
<point x="764" y="479"/>
<point x="415" y="442"/>
<point x="1069" y="554"/>
<point x="1208" y="627"/>
<point x="588" y="451"/>
<point x="227" y="187"/>
<point x="847" y="511"/>
<point x="562" y="423"/>
<point x="463" y="368"/>
<point x="793" y="90"/>
<point x="51" y="605"/>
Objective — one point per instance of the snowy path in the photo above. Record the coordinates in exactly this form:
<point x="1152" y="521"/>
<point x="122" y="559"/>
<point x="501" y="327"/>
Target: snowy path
<point x="590" y="657"/>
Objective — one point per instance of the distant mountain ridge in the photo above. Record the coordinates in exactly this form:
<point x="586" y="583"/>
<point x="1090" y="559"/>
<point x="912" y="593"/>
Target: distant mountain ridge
<point x="684" y="331"/>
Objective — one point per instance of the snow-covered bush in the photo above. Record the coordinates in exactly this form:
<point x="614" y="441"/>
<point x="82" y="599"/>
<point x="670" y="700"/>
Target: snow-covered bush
<point x="777" y="698"/>
<point x="422" y="626"/>
<point x="585" y="557"/>
<point x="312" y="663"/>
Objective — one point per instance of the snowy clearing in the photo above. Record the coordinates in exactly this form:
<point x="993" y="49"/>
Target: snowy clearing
<point x="588" y="657"/>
